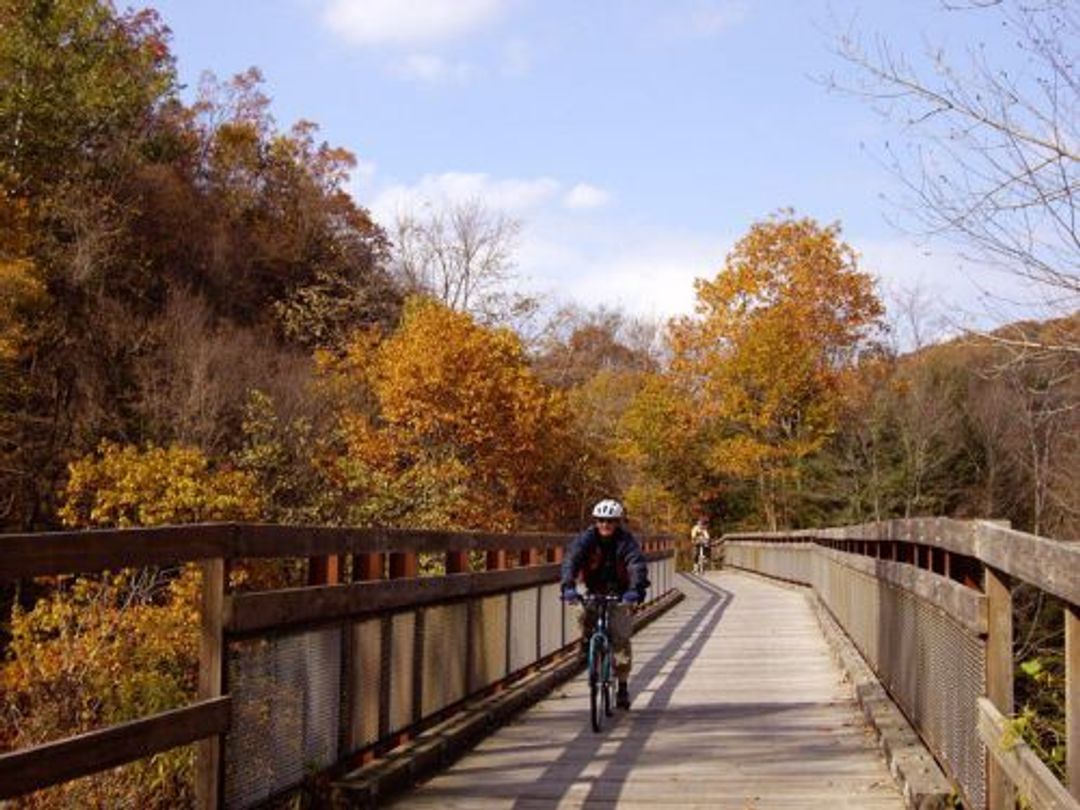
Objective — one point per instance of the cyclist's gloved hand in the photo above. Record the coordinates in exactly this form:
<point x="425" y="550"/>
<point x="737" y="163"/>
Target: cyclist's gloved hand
<point x="631" y="598"/>
<point x="570" y="594"/>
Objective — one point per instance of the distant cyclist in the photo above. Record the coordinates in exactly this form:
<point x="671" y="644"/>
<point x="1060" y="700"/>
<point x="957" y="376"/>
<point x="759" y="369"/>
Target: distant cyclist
<point x="699" y="537"/>
<point x="610" y="561"/>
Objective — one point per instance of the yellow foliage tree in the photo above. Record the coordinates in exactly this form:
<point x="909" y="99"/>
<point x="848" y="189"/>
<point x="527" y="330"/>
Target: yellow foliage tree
<point x="124" y="486"/>
<point x="453" y="430"/>
<point x="660" y="444"/>
<point x="100" y="650"/>
<point x="764" y="357"/>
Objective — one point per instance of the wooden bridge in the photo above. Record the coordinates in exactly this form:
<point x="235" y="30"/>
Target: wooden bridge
<point x="869" y="666"/>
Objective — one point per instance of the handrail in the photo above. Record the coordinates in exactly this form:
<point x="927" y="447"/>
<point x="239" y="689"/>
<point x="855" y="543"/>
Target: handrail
<point x="40" y="766"/>
<point x="384" y="588"/>
<point x="70" y="552"/>
<point x="966" y="570"/>
<point x="1050" y="565"/>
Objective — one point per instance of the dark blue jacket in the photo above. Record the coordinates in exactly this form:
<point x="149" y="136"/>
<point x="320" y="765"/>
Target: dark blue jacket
<point x="612" y="566"/>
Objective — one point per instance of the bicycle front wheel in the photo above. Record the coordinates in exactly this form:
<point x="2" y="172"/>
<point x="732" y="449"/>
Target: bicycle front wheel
<point x="598" y="689"/>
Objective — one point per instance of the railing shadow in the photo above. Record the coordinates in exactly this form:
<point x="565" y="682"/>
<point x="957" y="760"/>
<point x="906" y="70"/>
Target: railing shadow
<point x="561" y="774"/>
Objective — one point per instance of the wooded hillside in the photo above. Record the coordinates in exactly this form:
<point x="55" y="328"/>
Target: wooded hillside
<point x="195" y="276"/>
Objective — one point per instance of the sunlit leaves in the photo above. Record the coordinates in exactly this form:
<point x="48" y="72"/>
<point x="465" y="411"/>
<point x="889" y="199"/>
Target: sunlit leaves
<point x="775" y="330"/>
<point x="100" y="650"/>
<point x="75" y="78"/>
<point x="125" y="486"/>
<point x="457" y="430"/>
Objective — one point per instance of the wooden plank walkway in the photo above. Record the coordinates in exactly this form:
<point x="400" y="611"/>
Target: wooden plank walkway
<point x="736" y="704"/>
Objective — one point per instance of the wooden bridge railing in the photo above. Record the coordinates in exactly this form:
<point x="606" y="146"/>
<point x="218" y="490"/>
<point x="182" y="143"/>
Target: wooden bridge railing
<point x="928" y="602"/>
<point x="301" y="679"/>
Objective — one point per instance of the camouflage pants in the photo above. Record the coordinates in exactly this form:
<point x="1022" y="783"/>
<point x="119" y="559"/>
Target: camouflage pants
<point x="620" y="626"/>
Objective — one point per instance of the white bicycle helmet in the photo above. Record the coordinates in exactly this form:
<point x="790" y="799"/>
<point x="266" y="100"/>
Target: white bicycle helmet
<point x="608" y="508"/>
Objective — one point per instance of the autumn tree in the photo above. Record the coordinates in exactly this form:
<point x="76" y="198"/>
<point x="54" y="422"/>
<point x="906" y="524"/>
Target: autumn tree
<point x="452" y="429"/>
<point x="1037" y="440"/>
<point x="157" y="260"/>
<point x="96" y="651"/>
<point x="661" y="449"/>
<point x="789" y="312"/>
<point x="578" y="343"/>
<point x="279" y="240"/>
<point x="79" y="87"/>
<point x="600" y="358"/>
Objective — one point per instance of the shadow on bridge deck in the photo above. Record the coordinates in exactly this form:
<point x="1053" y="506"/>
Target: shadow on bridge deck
<point x="737" y="704"/>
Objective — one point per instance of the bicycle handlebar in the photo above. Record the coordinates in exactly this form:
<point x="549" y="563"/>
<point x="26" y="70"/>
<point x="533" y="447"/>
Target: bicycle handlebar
<point x="595" y="598"/>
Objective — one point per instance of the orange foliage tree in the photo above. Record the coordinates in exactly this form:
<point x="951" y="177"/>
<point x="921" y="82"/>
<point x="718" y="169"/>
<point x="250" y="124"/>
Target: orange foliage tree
<point x="95" y="651"/>
<point x="447" y="427"/>
<point x="776" y="328"/>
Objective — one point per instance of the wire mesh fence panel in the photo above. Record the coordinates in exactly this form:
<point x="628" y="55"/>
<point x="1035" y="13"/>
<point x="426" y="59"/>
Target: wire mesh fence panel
<point x="571" y="631"/>
<point x="285" y="703"/>
<point x="443" y="662"/>
<point x="402" y="664"/>
<point x="524" y="605"/>
<point x="551" y="627"/>
<point x="488" y="642"/>
<point x="366" y="685"/>
<point x="931" y="664"/>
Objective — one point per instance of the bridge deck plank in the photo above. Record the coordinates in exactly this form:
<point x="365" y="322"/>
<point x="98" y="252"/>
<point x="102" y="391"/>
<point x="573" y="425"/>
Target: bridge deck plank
<point x="725" y="715"/>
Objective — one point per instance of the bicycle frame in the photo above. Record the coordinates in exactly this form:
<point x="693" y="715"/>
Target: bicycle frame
<point x="599" y="655"/>
<point x="701" y="559"/>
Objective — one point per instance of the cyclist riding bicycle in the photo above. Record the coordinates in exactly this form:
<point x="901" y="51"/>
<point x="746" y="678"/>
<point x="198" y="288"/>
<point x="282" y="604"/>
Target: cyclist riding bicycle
<point x="699" y="536"/>
<point x="610" y="561"/>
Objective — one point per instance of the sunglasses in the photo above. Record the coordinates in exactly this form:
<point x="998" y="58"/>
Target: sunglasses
<point x="607" y="520"/>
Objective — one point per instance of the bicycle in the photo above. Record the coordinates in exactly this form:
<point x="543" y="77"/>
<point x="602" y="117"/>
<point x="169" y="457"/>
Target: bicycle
<point x="599" y="652"/>
<point x="701" y="558"/>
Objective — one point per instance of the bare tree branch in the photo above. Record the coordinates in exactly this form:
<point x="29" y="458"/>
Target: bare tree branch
<point x="992" y="155"/>
<point x="462" y="255"/>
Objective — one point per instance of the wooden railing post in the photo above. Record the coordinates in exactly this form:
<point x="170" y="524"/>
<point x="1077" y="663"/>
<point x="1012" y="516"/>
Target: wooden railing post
<point x="368" y="566"/>
<point x="1072" y="699"/>
<point x="210" y="766"/>
<point x="324" y="570"/>
<point x="457" y="562"/>
<point x="496" y="560"/>
<point x="403" y="564"/>
<point x="1001" y="795"/>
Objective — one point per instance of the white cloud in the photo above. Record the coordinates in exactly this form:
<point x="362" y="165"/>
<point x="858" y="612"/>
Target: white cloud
<point x="957" y="293"/>
<point x="585" y="196"/>
<point x="708" y="18"/>
<point x="408" y="22"/>
<point x="645" y="272"/>
<point x="650" y="271"/>
<point x="514" y="196"/>
<point x="364" y="172"/>
<point x="517" y="58"/>
<point x="432" y="69"/>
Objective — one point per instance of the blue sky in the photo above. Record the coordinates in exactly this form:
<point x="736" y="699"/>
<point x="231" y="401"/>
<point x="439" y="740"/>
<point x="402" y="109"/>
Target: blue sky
<point x="635" y="140"/>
